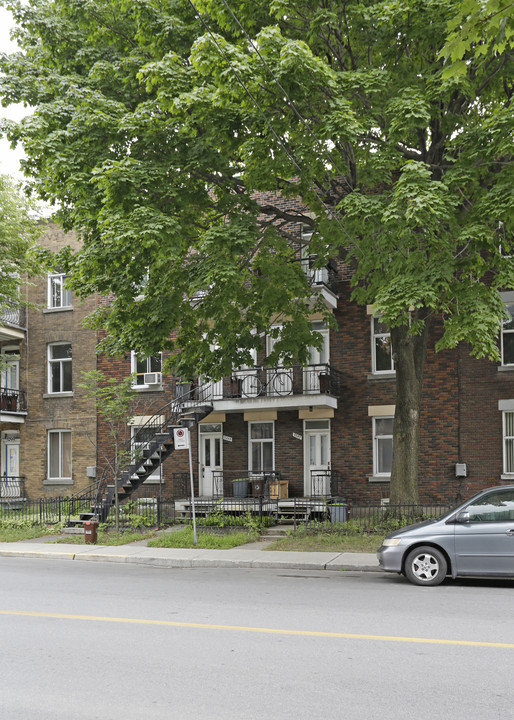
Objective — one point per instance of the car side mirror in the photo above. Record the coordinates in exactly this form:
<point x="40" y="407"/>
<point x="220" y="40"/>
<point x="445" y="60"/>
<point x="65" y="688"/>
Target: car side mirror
<point x="462" y="517"/>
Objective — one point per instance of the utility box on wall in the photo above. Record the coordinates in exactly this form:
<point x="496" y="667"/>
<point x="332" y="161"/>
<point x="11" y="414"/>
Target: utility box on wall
<point x="461" y="470"/>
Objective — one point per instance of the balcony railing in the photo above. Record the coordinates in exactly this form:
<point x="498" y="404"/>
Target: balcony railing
<point x="263" y="381"/>
<point x="12" y="400"/>
<point x="12" y="487"/>
<point x="14" y="315"/>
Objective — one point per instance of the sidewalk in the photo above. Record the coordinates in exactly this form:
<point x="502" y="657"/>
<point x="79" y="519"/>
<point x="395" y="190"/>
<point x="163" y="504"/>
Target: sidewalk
<point x="252" y="557"/>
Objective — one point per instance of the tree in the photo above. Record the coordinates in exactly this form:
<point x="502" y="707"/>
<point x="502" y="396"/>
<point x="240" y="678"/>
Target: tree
<point x="157" y="123"/>
<point x="18" y="231"/>
<point x="19" y="255"/>
<point x="115" y="406"/>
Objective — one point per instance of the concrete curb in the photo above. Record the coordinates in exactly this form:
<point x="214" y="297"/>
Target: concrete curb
<point x="193" y="558"/>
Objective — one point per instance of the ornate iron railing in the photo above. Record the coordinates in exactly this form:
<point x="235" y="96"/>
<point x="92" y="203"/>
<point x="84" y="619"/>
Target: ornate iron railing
<point x="12" y="400"/>
<point x="261" y="381"/>
<point x="14" y="315"/>
<point x="12" y="486"/>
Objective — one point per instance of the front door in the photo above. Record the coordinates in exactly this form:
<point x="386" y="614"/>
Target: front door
<point x="10" y="465"/>
<point x="211" y="460"/>
<point x="317" y="458"/>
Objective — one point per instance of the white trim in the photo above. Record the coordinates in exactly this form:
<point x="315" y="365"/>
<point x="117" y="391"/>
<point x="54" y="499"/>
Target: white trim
<point x="374" y="335"/>
<point x="256" y="440"/>
<point x="377" y="475"/>
<point x="60" y="361"/>
<point x="59" y="478"/>
<point x="66" y="297"/>
<point x="505" y="405"/>
<point x="133" y="369"/>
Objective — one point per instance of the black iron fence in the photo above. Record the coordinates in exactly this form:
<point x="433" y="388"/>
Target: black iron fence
<point x="231" y="512"/>
<point x="363" y="518"/>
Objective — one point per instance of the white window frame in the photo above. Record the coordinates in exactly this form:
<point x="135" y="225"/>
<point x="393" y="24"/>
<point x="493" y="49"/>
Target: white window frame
<point x="252" y="441"/>
<point x="60" y="477"/>
<point x="58" y="361"/>
<point x="507" y="438"/>
<point x="376" y="443"/>
<point x="374" y="337"/>
<point x="133" y="369"/>
<point x="56" y="280"/>
<point x="507" y="331"/>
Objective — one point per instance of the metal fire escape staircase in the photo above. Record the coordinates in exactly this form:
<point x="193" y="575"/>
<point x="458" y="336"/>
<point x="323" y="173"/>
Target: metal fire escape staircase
<point x="136" y="464"/>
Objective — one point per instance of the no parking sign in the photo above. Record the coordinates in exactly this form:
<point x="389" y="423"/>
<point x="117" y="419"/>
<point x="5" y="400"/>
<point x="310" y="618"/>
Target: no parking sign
<point x="181" y="438"/>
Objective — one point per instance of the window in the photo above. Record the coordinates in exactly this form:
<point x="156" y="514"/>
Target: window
<point x="495" y="507"/>
<point x="382" y="445"/>
<point x="59" y="368"/>
<point x="508" y="442"/>
<point x="140" y="368"/>
<point x="59" y="454"/>
<point x="381" y="350"/>
<point x="261" y="450"/>
<point x="58" y="296"/>
<point x="507" y="338"/>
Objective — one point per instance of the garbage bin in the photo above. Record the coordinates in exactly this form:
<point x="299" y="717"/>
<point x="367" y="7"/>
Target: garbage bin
<point x="240" y="487"/>
<point x="91" y="531"/>
<point x="338" y="510"/>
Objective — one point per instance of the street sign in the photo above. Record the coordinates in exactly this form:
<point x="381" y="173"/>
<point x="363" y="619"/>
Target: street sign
<point x="181" y="438"/>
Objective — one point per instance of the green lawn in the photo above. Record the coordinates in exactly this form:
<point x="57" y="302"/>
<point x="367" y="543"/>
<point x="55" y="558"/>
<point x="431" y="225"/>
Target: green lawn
<point x="184" y="539"/>
<point x="318" y="541"/>
<point x="14" y="534"/>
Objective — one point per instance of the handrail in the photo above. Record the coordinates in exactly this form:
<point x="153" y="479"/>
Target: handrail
<point x="169" y="414"/>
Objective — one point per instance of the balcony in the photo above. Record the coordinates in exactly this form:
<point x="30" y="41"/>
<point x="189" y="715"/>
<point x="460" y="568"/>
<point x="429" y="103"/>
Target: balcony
<point x="11" y="488"/>
<point x="281" y="388"/>
<point x="13" y="405"/>
<point x="13" y="322"/>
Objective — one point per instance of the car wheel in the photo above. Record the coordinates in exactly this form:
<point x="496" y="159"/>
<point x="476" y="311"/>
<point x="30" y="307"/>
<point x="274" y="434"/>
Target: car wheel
<point x="426" y="566"/>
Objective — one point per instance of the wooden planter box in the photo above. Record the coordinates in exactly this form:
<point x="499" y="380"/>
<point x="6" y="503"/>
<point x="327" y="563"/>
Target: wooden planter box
<point x="278" y="489"/>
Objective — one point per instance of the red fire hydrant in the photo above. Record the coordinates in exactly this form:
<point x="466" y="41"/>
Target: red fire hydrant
<point x="91" y="531"/>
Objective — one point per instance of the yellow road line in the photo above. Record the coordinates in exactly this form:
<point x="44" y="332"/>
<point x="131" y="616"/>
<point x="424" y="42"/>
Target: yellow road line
<point x="272" y="631"/>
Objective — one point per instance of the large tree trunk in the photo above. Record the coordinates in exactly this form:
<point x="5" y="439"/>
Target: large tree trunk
<point x="409" y="353"/>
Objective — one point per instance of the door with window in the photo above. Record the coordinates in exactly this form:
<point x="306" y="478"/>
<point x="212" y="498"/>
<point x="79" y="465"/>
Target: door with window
<point x="10" y="379"/>
<point x="316" y="374"/>
<point x="317" y="458"/>
<point x="211" y="460"/>
<point x="10" y="465"/>
<point x="279" y="380"/>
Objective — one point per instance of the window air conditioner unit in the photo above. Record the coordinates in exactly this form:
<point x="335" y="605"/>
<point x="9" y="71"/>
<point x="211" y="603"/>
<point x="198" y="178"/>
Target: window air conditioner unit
<point x="154" y="378"/>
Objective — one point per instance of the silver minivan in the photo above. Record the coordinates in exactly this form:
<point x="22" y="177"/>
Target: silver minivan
<point x="476" y="538"/>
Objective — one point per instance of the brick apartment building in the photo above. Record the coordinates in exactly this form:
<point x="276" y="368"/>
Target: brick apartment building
<point x="47" y="426"/>
<point x="325" y="428"/>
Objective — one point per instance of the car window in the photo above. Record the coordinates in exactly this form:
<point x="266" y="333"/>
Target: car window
<point x="494" y="507"/>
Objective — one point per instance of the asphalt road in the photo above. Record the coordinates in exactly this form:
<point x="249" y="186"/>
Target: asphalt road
<point x="123" y="642"/>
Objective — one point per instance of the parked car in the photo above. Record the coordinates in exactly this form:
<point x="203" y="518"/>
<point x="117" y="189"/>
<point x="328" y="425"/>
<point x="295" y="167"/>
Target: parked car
<point x="476" y="539"/>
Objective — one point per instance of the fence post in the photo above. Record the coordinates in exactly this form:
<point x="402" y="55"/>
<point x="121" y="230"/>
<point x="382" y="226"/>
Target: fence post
<point x="159" y="511"/>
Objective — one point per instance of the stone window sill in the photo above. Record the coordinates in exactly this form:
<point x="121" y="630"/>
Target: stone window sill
<point x="57" y="310"/>
<point x="58" y="395"/>
<point x="380" y="478"/>
<point x="58" y="481"/>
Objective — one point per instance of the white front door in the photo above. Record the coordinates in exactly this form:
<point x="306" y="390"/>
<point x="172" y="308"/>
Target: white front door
<point x="318" y="363"/>
<point x="211" y="460"/>
<point x="317" y="458"/>
<point x="10" y="465"/>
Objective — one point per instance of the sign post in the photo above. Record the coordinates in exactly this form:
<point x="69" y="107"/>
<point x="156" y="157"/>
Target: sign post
<point x="182" y="442"/>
